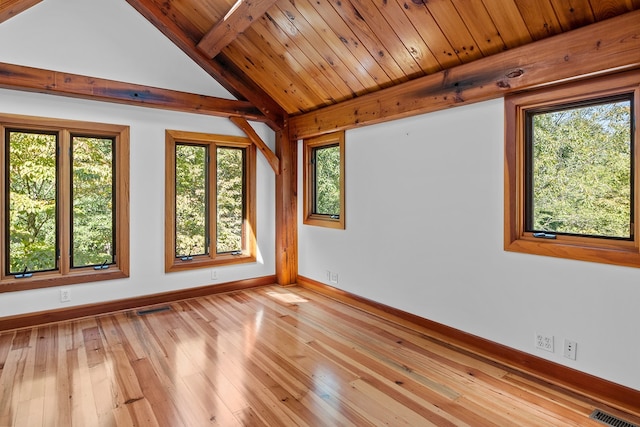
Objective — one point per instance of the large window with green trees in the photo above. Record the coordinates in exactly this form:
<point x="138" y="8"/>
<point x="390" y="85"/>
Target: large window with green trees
<point x="65" y="204"/>
<point x="210" y="200"/>
<point x="572" y="173"/>
<point x="324" y="181"/>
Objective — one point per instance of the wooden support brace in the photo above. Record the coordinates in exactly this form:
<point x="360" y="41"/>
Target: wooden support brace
<point x="255" y="138"/>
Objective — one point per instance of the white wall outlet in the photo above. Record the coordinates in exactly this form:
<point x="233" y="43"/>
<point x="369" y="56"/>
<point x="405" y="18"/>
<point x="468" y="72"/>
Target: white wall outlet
<point x="214" y="274"/>
<point x="544" y="342"/>
<point x="334" y="277"/>
<point x="65" y="295"/>
<point x="570" y="349"/>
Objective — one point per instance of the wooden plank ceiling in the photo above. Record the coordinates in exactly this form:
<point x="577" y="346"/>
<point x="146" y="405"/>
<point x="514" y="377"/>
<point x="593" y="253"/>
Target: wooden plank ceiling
<point x="289" y="57"/>
<point x="307" y="54"/>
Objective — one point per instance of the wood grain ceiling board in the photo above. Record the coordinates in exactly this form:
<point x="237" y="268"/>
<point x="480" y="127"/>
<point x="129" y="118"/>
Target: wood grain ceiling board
<point x="573" y="13"/>
<point x="454" y="29"/>
<point x="427" y="27"/>
<point x="331" y="46"/>
<point x="480" y="25"/>
<point x="539" y="17"/>
<point x="509" y="22"/>
<point x="604" y="9"/>
<point x="364" y="14"/>
<point x="272" y="80"/>
<point x="285" y="56"/>
<point x="310" y="63"/>
<point x="360" y="41"/>
<point x="399" y="23"/>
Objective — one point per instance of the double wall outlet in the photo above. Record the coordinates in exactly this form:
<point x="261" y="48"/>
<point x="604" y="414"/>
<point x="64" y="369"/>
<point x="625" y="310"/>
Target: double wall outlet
<point x="544" y="342"/>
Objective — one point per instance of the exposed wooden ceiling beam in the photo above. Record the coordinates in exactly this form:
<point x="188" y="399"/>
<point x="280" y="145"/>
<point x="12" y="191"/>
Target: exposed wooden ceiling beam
<point x="231" y="78"/>
<point x="607" y="46"/>
<point x="235" y="22"/>
<point x="77" y="86"/>
<point x="10" y="8"/>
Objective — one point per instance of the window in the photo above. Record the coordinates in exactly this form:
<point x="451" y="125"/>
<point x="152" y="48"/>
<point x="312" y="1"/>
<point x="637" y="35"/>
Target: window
<point x="65" y="205"/>
<point x="210" y="200"/>
<point x="571" y="174"/>
<point x="324" y="181"/>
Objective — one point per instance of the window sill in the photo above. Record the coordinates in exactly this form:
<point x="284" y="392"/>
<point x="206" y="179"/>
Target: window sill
<point x="624" y="255"/>
<point x="325" y="221"/>
<point x="177" y="264"/>
<point x="45" y="280"/>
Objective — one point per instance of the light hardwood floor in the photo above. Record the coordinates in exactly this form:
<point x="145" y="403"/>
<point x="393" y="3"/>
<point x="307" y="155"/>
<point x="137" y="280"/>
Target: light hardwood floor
<point x="267" y="356"/>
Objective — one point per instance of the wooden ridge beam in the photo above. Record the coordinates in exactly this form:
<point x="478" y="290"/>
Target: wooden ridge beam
<point x="255" y="138"/>
<point x="78" y="86"/>
<point x="235" y="22"/>
<point x="10" y="8"/>
<point x="220" y="69"/>
<point x="603" y="47"/>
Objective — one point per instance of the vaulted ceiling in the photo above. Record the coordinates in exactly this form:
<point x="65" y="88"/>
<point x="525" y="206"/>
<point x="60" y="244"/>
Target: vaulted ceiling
<point x="291" y="57"/>
<point x="307" y="54"/>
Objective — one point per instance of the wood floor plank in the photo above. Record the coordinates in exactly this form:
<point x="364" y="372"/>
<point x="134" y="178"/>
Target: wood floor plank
<point x="268" y="356"/>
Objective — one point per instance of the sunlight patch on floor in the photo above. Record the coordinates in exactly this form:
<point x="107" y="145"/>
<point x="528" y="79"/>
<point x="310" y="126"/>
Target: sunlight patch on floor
<point x="287" y="297"/>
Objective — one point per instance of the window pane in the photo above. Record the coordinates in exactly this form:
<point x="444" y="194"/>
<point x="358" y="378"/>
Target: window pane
<point x="581" y="171"/>
<point x="92" y="228"/>
<point x="31" y="201"/>
<point x="327" y="180"/>
<point x="230" y="199"/>
<point x="191" y="200"/>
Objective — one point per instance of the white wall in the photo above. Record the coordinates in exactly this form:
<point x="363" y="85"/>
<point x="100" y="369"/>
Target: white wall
<point x="424" y="216"/>
<point x="101" y="38"/>
<point x="109" y="39"/>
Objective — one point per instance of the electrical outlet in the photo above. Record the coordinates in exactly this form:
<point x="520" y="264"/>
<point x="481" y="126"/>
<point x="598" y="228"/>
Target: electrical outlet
<point x="544" y="342"/>
<point x="214" y="274"/>
<point x="334" y="278"/>
<point x="65" y="295"/>
<point x="570" y="348"/>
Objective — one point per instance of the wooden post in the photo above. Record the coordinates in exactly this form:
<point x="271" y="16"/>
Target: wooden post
<point x="286" y="209"/>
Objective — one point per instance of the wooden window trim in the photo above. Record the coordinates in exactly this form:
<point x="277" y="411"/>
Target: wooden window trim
<point x="310" y="218"/>
<point x="617" y="252"/>
<point x="65" y="275"/>
<point x="172" y="264"/>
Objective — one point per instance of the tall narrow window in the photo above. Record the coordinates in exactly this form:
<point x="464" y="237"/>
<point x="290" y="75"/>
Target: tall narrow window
<point x="210" y="192"/>
<point x="324" y="181"/>
<point x="31" y="201"/>
<point x="93" y="201"/>
<point x="192" y="194"/>
<point x="229" y="199"/>
<point x="65" y="202"/>
<point x="571" y="171"/>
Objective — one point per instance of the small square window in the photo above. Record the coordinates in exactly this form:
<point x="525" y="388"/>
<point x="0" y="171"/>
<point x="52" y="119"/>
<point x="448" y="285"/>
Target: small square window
<point x="571" y="171"/>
